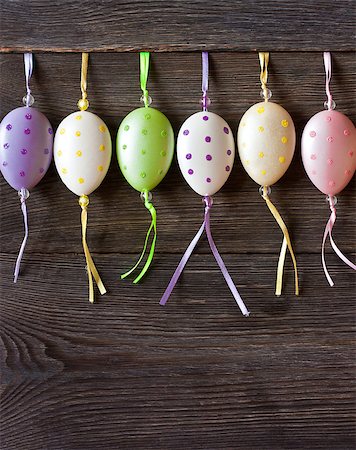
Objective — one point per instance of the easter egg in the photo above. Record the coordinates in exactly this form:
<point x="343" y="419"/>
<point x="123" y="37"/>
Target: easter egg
<point x="26" y="141"/>
<point x="82" y="151"/>
<point x="145" y="147"/>
<point x="329" y="151"/>
<point x="206" y="151"/>
<point x="266" y="142"/>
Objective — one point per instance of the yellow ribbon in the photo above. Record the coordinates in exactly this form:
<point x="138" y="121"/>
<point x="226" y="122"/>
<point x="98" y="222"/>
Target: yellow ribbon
<point x="286" y="243"/>
<point x="264" y="59"/>
<point x="91" y="269"/>
<point x="83" y="103"/>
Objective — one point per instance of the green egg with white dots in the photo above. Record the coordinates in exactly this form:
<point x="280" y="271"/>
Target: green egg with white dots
<point x="145" y="147"/>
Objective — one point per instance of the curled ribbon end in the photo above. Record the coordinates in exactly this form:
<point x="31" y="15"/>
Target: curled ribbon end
<point x="23" y="194"/>
<point x="286" y="243"/>
<point x="146" y="198"/>
<point x="247" y="314"/>
<point x="91" y="269"/>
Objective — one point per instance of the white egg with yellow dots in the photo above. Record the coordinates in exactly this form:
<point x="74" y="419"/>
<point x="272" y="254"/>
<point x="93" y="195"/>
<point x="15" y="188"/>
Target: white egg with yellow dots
<point x="82" y="151"/>
<point x="266" y="142"/>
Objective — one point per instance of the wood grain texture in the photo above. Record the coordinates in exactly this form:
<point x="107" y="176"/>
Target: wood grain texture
<point x="126" y="373"/>
<point x="195" y="374"/>
<point x="134" y="25"/>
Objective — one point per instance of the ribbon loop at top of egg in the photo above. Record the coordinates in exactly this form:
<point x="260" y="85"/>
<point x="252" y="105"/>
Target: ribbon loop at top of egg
<point x="264" y="60"/>
<point x="144" y="68"/>
<point x="83" y="103"/>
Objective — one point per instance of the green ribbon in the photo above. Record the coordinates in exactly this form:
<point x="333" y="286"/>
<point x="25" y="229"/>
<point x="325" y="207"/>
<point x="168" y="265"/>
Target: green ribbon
<point x="144" y="67"/>
<point x="153" y="227"/>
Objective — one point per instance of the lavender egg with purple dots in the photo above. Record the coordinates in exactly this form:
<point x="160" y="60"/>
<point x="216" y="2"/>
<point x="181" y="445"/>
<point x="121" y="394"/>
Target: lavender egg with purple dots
<point x="26" y="142"/>
<point x="206" y="152"/>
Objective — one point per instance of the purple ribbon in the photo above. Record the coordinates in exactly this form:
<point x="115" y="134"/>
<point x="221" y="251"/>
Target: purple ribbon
<point x="205" y="80"/>
<point x="205" y="226"/>
<point x="28" y="60"/>
<point x="23" y="195"/>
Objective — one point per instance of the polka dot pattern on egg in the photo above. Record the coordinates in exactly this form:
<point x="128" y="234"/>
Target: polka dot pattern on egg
<point x="327" y="151"/>
<point x="23" y="138"/>
<point x="82" y="152"/>
<point x="266" y="142"/>
<point x="205" y="150"/>
<point x="145" y="147"/>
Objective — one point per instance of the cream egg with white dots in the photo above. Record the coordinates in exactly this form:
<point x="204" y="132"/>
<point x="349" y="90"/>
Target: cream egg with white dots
<point x="82" y="151"/>
<point x="266" y="142"/>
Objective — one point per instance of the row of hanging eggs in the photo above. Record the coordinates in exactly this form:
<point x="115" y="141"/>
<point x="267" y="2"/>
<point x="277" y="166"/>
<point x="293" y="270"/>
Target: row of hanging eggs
<point x="145" y="143"/>
<point x="145" y="146"/>
<point x="266" y="143"/>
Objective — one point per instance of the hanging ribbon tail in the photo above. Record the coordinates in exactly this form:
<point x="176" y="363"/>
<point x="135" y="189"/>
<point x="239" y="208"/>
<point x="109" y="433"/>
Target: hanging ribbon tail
<point x="286" y="243"/>
<point x="280" y="267"/>
<point x="220" y="261"/>
<point x="125" y="275"/>
<point x="205" y="226"/>
<point x="182" y="264"/>
<point x="328" y="232"/>
<point x="152" y="228"/>
<point x="91" y="269"/>
<point x="23" y="196"/>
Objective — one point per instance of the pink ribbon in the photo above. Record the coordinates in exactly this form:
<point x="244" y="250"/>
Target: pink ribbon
<point x="328" y="230"/>
<point x="205" y="226"/>
<point x="327" y="65"/>
<point x="23" y="195"/>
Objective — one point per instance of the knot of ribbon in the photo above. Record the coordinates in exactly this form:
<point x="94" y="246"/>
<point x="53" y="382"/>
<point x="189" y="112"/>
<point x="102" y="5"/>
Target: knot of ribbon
<point x="286" y="243"/>
<point x="328" y="230"/>
<point x="146" y="197"/>
<point x="91" y="269"/>
<point x="204" y="227"/>
<point x="23" y="194"/>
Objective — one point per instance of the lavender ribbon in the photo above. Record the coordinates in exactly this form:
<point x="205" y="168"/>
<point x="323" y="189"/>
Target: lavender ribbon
<point x="28" y="60"/>
<point x="205" y="226"/>
<point x="23" y="195"/>
<point x="205" y="80"/>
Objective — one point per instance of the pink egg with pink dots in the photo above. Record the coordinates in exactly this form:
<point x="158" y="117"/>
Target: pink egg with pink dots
<point x="206" y="152"/>
<point x="329" y="151"/>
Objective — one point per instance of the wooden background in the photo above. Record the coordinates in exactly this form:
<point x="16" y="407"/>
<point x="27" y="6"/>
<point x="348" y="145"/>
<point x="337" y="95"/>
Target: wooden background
<point x="126" y="373"/>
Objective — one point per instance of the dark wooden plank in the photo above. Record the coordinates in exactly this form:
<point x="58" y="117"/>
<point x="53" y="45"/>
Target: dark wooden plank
<point x="241" y="221"/>
<point x="127" y="373"/>
<point x="182" y="25"/>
